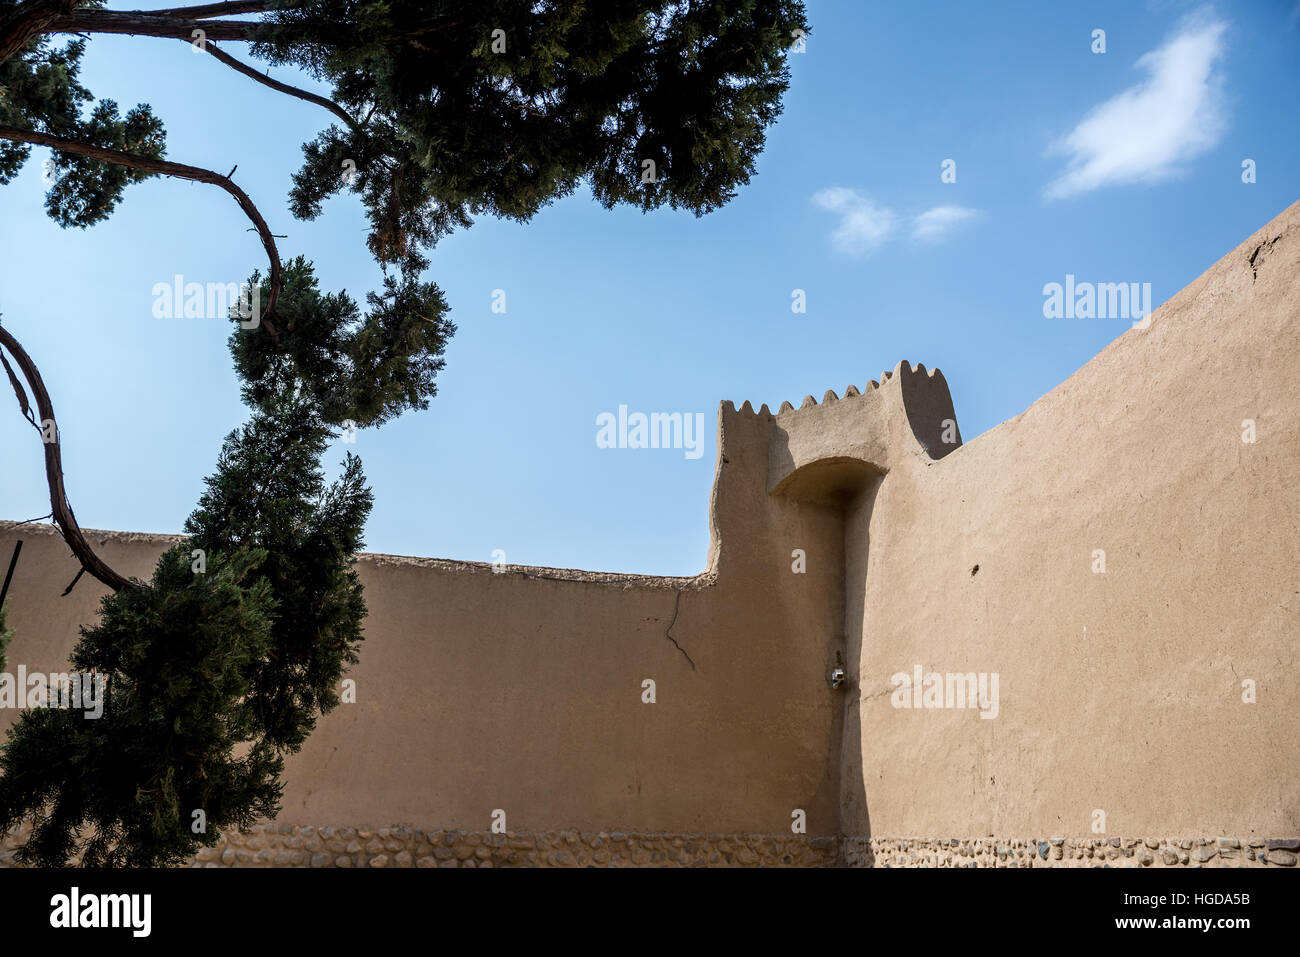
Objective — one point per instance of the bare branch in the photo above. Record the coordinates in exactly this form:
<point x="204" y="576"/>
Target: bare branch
<point x="9" y="575"/>
<point x="61" y="510"/>
<point x="177" y="23"/>
<point x="38" y="518"/>
<point x="167" y="168"/>
<point x="228" y="9"/>
<point x="68" y="591"/>
<point x="19" y="392"/>
<point x="279" y="87"/>
<point x="143" y="24"/>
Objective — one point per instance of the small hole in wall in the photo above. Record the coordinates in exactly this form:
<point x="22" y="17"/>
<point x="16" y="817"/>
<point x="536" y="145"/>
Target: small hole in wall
<point x="973" y="570"/>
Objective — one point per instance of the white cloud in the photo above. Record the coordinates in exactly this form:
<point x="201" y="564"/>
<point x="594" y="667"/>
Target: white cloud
<point x="936" y="224"/>
<point x="863" y="226"/>
<point x="1145" y="133"/>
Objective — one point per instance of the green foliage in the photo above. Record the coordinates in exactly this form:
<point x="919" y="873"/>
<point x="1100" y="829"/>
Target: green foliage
<point x="39" y="91"/>
<point x="85" y="191"/>
<point x="465" y="107"/>
<point x="368" y="369"/>
<point x="213" y="673"/>
<point x="268" y="495"/>
<point x="177" y="657"/>
<point x="453" y="127"/>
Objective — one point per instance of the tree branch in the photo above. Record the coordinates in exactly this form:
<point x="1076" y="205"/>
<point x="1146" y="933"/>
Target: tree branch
<point x="203" y="11"/>
<point x="279" y="87"/>
<point x="61" y="510"/>
<point x="144" y="24"/>
<point x="19" y="392"/>
<point x="166" y="168"/>
<point x="180" y="23"/>
<point x="30" y="19"/>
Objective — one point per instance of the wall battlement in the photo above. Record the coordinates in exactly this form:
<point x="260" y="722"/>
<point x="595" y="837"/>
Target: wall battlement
<point x="862" y="425"/>
<point x="789" y="476"/>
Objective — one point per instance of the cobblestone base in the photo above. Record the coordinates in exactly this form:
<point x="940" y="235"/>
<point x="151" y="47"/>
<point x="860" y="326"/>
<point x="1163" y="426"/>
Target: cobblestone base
<point x="1071" y="852"/>
<point x="308" y="846"/>
<point x="281" y="845"/>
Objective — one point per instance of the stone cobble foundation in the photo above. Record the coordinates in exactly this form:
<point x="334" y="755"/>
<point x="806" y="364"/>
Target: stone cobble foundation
<point x="1071" y="852"/>
<point x="283" y="845"/>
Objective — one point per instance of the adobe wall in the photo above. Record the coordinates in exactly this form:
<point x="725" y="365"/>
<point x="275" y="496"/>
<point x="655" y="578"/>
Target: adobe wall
<point x="1119" y="692"/>
<point x="522" y="690"/>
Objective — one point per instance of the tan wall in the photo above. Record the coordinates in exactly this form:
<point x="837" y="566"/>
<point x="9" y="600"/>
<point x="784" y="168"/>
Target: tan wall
<point x="1140" y="453"/>
<point x="522" y="691"/>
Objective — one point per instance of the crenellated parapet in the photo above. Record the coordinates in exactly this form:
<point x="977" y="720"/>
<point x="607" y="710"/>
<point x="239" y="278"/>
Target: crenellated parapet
<point x="822" y="453"/>
<point x="908" y="411"/>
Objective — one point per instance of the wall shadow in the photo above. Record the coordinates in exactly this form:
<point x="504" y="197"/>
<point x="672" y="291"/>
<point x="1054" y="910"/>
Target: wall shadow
<point x="855" y="816"/>
<point x="850" y="486"/>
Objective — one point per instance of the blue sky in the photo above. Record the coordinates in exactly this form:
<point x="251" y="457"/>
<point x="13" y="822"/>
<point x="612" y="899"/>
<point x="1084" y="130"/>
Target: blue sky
<point x="1122" y="166"/>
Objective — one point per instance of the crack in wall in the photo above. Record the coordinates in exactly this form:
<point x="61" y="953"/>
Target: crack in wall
<point x="677" y="603"/>
<point x="1265" y="247"/>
